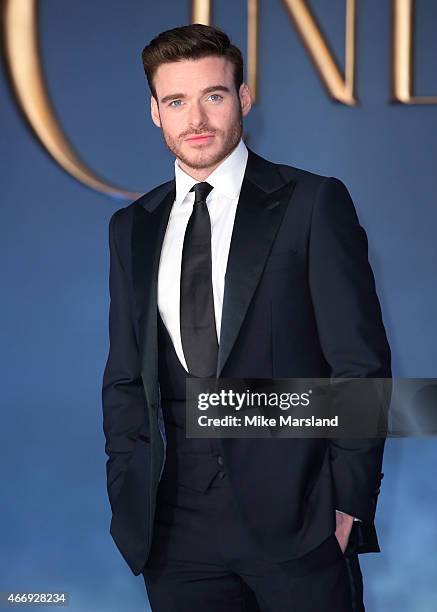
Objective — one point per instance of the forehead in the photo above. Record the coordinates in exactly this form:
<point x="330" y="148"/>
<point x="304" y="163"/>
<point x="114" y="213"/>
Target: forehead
<point x="193" y="75"/>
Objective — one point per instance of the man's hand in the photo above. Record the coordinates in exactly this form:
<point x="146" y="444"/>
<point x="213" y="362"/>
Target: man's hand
<point x="344" y="524"/>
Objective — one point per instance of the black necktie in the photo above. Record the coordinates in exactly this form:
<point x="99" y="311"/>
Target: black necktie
<point x="197" y="320"/>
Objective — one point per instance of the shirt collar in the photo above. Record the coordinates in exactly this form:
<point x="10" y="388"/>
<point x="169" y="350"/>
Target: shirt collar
<point x="226" y="178"/>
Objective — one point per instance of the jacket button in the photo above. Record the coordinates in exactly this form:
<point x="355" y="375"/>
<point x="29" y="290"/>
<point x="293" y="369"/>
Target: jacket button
<point x="221" y="474"/>
<point x="220" y="460"/>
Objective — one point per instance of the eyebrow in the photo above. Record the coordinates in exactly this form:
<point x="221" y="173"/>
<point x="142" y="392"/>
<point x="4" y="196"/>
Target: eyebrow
<point x="204" y="91"/>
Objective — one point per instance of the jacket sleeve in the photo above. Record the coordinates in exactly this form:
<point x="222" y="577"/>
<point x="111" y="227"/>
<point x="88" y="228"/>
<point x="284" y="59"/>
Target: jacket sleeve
<point x="352" y="335"/>
<point x="123" y="397"/>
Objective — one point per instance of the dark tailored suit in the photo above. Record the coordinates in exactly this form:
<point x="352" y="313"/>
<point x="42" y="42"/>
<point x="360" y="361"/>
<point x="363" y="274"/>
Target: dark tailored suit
<point x="299" y="301"/>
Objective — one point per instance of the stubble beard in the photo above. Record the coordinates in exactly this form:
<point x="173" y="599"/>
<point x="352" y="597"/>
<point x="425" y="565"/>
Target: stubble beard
<point x="229" y="143"/>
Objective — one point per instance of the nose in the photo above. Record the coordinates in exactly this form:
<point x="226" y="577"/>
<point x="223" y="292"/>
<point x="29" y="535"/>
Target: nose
<point x="197" y="116"/>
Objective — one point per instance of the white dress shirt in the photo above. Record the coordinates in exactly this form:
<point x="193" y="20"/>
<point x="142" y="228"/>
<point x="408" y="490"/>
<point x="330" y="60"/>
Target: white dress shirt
<point x="222" y="202"/>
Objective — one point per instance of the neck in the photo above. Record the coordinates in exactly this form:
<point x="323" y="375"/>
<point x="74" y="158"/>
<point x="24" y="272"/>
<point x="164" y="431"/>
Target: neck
<point x="200" y="174"/>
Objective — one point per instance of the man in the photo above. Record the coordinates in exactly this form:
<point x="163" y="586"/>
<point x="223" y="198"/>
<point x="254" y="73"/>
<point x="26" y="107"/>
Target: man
<point x="238" y="267"/>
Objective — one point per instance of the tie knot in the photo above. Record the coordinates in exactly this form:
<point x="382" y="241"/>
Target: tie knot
<point x="201" y="191"/>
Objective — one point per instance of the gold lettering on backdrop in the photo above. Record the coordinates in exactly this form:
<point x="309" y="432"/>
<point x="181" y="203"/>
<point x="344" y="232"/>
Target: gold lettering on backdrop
<point x="201" y="12"/>
<point x="21" y="51"/>
<point x="402" y="81"/>
<point x="24" y="68"/>
<point x="340" y="88"/>
<point x="252" y="47"/>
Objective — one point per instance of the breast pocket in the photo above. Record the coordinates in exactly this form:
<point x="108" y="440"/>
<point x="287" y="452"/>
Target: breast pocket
<point x="280" y="260"/>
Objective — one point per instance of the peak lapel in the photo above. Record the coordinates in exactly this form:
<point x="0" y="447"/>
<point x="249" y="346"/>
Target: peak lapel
<point x="150" y="222"/>
<point x="263" y="200"/>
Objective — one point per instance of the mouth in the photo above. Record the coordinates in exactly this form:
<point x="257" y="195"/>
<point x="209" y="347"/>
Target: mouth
<point x="200" y="138"/>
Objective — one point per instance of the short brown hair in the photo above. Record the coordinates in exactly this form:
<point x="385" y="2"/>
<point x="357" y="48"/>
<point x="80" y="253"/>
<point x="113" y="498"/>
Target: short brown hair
<point x="192" y="41"/>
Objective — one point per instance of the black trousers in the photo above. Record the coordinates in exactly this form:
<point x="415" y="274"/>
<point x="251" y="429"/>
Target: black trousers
<point x="204" y="558"/>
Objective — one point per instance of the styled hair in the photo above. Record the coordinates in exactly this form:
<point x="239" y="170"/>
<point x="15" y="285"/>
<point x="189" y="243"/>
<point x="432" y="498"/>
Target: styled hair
<point x="192" y="41"/>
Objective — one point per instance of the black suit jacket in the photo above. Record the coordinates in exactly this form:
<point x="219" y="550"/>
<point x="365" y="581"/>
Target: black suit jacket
<point x="299" y="301"/>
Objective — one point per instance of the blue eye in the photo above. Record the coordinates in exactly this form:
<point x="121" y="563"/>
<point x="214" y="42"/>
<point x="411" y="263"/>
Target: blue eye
<point x="174" y="105"/>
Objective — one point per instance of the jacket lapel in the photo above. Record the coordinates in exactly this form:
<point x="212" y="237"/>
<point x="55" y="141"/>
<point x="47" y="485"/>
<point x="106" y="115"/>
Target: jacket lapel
<point x="260" y="211"/>
<point x="149" y="225"/>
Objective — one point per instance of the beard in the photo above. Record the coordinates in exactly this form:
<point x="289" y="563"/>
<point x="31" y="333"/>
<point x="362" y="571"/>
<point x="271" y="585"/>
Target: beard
<point x="202" y="158"/>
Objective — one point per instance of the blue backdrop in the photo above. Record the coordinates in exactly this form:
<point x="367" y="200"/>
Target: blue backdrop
<point x="54" y="528"/>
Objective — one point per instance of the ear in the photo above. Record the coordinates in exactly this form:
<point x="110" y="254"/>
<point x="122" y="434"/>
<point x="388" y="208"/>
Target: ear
<point x="245" y="98"/>
<point x="154" y="111"/>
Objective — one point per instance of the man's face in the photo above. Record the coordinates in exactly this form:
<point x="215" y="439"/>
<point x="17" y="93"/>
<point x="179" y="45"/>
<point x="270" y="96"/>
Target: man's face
<point x="198" y="98"/>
